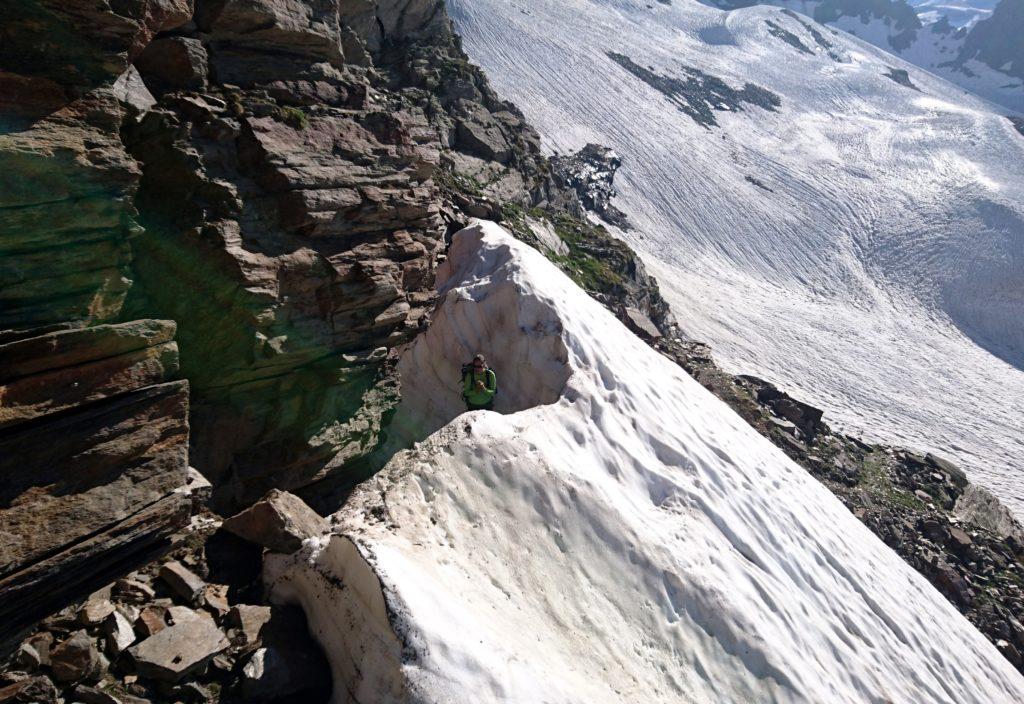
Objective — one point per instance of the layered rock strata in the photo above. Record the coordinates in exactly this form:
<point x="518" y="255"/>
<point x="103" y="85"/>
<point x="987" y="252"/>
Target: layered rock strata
<point x="93" y="424"/>
<point x="93" y="452"/>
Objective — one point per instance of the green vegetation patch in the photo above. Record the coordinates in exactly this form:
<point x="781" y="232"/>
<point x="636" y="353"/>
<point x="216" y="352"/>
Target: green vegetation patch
<point x="875" y="480"/>
<point x="596" y="261"/>
<point x="293" y="117"/>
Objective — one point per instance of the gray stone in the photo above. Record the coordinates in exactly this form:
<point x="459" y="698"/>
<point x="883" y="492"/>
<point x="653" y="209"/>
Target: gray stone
<point x="119" y="632"/>
<point x="783" y="425"/>
<point x="28" y="657"/>
<point x="959" y="539"/>
<point x="132" y="91"/>
<point x="76" y="658"/>
<point x="42" y="643"/>
<point x="182" y="581"/>
<point x="215" y="598"/>
<point x="639" y="323"/>
<point x="151" y="620"/>
<point x="134" y="590"/>
<point x="179" y="649"/>
<point x="954" y="473"/>
<point x="95" y="611"/>
<point x="980" y="508"/>
<point x="249" y="620"/>
<point x="278" y="522"/>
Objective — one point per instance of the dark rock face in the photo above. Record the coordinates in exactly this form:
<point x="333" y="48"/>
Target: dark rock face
<point x="785" y="35"/>
<point x="699" y="94"/>
<point x="996" y="41"/>
<point x="897" y="14"/>
<point x="260" y="236"/>
<point x="899" y="75"/>
<point x="294" y="211"/>
<point x="283" y="199"/>
<point x="590" y="173"/>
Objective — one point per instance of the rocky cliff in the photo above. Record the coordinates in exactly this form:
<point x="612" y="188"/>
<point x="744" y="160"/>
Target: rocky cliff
<point x="277" y="177"/>
<point x="221" y="215"/>
<point x="93" y="417"/>
<point x="293" y="211"/>
<point x="219" y="223"/>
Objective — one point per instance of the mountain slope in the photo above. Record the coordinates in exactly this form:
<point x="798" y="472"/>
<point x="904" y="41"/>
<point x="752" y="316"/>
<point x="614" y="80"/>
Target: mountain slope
<point x="975" y="48"/>
<point x="631" y="541"/>
<point x="858" y="241"/>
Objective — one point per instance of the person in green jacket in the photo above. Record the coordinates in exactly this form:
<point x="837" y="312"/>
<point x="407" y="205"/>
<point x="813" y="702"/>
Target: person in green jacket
<point x="479" y="384"/>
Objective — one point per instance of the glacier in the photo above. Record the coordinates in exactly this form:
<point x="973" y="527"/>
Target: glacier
<point x="616" y="534"/>
<point x="861" y="244"/>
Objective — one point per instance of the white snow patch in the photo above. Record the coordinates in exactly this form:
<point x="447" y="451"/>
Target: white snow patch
<point x="634" y="541"/>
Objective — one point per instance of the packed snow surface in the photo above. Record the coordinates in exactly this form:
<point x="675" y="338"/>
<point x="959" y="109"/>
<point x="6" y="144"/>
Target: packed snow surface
<point x="631" y="540"/>
<point x="861" y="244"/>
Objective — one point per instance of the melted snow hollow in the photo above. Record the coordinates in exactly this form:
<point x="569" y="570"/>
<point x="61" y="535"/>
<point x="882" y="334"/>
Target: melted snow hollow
<point x="880" y="278"/>
<point x="629" y="540"/>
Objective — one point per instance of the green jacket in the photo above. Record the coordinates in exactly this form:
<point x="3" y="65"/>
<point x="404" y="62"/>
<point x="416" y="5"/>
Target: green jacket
<point x="475" y="396"/>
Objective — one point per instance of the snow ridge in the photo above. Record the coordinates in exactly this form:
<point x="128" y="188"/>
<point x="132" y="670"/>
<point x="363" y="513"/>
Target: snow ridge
<point x="631" y="540"/>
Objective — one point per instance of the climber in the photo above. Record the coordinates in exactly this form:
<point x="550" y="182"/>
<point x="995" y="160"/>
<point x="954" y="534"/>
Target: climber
<point x="479" y="384"/>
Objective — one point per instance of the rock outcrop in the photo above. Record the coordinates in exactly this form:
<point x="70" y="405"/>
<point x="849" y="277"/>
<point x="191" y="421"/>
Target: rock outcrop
<point x="93" y="417"/>
<point x="294" y="208"/>
<point x="93" y="452"/>
<point x="223" y="215"/>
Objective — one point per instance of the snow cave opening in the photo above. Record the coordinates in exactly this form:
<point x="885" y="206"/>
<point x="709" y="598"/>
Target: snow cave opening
<point x="519" y="332"/>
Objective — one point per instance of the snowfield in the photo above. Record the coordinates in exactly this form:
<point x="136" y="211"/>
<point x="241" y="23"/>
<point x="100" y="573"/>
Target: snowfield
<point x="861" y="244"/>
<point x="631" y="540"/>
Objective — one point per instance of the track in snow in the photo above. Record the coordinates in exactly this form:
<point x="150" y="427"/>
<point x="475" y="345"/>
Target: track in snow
<point x="881" y="278"/>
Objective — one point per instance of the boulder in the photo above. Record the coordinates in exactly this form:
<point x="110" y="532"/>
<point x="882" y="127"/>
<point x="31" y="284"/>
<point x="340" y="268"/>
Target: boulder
<point x="174" y="63"/>
<point x="152" y="619"/>
<point x="979" y="507"/>
<point x="637" y="321"/>
<point x="185" y="583"/>
<point x="179" y="649"/>
<point x="955" y="474"/>
<point x="131" y="91"/>
<point x="215" y="597"/>
<point x="278" y="522"/>
<point x="42" y="643"/>
<point x="95" y="611"/>
<point x="119" y="632"/>
<point x="133" y="590"/>
<point x="174" y="13"/>
<point x="950" y="583"/>
<point x="249" y="620"/>
<point x="28" y="657"/>
<point x="76" y="658"/>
